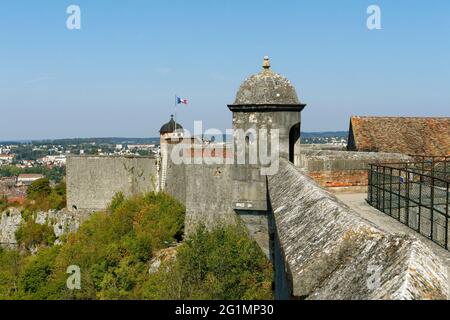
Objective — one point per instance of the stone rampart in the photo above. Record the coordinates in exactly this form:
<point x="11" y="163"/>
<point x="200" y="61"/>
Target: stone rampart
<point x="92" y="181"/>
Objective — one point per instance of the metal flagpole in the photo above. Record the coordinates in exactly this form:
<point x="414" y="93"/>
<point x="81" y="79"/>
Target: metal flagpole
<point x="176" y="112"/>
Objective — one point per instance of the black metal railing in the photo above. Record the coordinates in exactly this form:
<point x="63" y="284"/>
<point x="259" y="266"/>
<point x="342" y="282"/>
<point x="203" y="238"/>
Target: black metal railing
<point x="414" y="193"/>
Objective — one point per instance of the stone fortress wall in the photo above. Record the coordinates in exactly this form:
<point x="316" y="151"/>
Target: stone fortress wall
<point x="92" y="181"/>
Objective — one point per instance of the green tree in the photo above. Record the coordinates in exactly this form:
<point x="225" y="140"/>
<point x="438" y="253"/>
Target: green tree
<point x="39" y="189"/>
<point x="9" y="171"/>
<point x="35" y="278"/>
<point x="31" y="234"/>
<point x="221" y="264"/>
<point x="11" y="262"/>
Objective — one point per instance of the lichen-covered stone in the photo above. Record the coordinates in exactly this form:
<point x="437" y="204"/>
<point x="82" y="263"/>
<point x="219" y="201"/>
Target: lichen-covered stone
<point x="10" y="220"/>
<point x="266" y="88"/>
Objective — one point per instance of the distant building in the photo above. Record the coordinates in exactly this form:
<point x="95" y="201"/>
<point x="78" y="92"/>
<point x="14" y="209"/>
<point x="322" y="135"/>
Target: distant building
<point x="13" y="193"/>
<point x="6" y="158"/>
<point x="407" y="135"/>
<point x="8" y="182"/>
<point x="140" y="146"/>
<point x="26" y="179"/>
<point x="59" y="160"/>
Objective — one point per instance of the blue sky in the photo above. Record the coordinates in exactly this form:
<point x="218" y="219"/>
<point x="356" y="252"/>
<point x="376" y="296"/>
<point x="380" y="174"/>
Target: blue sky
<point x="117" y="76"/>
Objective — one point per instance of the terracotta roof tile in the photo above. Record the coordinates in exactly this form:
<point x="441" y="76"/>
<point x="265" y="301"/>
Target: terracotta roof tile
<point x="409" y="135"/>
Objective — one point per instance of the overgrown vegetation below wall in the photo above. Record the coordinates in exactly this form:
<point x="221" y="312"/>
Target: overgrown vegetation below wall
<point x="40" y="196"/>
<point x="221" y="264"/>
<point x="115" y="250"/>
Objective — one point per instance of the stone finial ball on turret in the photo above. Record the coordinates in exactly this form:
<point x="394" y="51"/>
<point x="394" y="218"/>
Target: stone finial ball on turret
<point x="266" y="88"/>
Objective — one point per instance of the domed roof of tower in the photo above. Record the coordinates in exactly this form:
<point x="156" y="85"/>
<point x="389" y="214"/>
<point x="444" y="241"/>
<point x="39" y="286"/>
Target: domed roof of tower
<point x="266" y="88"/>
<point x="170" y="126"/>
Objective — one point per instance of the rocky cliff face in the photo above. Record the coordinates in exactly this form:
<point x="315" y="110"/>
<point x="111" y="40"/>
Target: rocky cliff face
<point x="62" y="222"/>
<point x="10" y="221"/>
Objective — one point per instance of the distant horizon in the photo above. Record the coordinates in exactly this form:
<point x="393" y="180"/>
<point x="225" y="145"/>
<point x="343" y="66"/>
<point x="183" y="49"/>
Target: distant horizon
<point x="148" y="138"/>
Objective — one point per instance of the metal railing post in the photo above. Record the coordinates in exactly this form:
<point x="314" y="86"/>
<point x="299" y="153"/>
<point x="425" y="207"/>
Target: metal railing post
<point x="446" y="218"/>
<point x="390" y="191"/>
<point x="399" y="191"/>
<point x="406" y="199"/>
<point x="432" y="207"/>
<point x="384" y="187"/>
<point x="378" y="188"/>
<point x="369" y="184"/>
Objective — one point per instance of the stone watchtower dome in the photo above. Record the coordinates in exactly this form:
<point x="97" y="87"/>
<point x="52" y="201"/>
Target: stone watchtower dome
<point x="269" y="100"/>
<point x="170" y="126"/>
<point x="170" y="130"/>
<point x="267" y="88"/>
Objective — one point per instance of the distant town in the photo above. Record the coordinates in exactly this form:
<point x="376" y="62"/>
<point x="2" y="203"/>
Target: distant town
<point x="23" y="162"/>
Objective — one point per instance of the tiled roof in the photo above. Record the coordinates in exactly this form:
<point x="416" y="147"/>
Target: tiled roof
<point x="409" y="135"/>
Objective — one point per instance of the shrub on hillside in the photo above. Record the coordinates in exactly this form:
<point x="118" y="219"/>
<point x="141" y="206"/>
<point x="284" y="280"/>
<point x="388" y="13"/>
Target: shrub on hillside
<point x="35" y="280"/>
<point x="10" y="268"/>
<point x="221" y="264"/>
<point x="41" y="197"/>
<point x="31" y="235"/>
<point x="39" y="189"/>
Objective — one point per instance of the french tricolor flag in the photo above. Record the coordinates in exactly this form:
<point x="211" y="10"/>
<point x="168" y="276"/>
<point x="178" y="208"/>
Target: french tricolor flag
<point x="181" y="101"/>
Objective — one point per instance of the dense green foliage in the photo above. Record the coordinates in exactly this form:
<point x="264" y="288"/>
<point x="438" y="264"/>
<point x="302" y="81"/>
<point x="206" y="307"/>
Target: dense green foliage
<point x="54" y="174"/>
<point x="11" y="263"/>
<point x="40" y="196"/>
<point x="222" y="264"/>
<point x="31" y="234"/>
<point x="114" y="250"/>
<point x="39" y="188"/>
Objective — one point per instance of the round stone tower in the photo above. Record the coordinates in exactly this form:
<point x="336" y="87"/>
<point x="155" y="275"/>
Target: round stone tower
<point x="268" y="100"/>
<point x="169" y="130"/>
<point x="170" y="133"/>
<point x="266" y="123"/>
